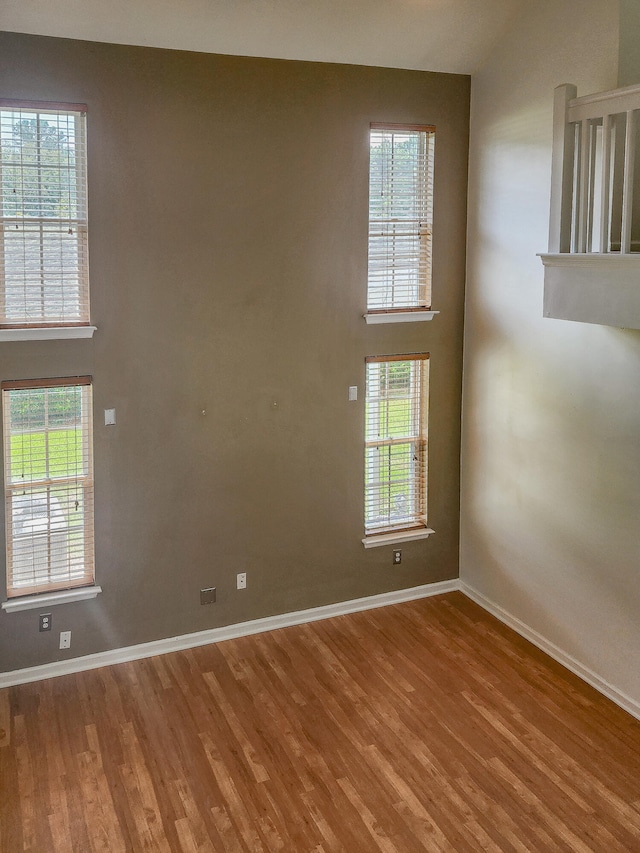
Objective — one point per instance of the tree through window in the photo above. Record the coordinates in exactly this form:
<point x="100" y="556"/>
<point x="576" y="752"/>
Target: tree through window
<point x="44" y="274"/>
<point x="400" y="217"/>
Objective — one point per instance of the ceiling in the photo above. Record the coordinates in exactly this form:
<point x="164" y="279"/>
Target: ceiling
<point x="427" y="35"/>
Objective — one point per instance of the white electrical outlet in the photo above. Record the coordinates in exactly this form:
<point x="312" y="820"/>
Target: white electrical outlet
<point x="242" y="580"/>
<point x="65" y="639"/>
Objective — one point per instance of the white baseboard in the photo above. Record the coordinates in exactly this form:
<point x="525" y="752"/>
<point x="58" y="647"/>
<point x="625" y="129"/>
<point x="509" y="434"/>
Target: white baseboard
<point x="216" y="635"/>
<point x="299" y="617"/>
<point x="562" y="657"/>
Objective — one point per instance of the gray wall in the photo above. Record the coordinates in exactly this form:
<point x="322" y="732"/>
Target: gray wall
<point x="228" y="232"/>
<point x="629" y="50"/>
<point x="550" y="496"/>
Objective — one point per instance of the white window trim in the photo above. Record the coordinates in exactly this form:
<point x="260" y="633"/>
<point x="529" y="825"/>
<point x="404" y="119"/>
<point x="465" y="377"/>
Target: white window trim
<point x="50" y="599"/>
<point x="46" y="333"/>
<point x="414" y="316"/>
<point x="375" y="540"/>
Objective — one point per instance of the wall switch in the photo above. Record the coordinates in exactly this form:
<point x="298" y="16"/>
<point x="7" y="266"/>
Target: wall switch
<point x="353" y="392"/>
<point x="208" y="596"/>
<point x="65" y="639"/>
<point x="109" y="417"/>
<point x="44" y="622"/>
<point x="241" y="580"/>
<point x="397" y="558"/>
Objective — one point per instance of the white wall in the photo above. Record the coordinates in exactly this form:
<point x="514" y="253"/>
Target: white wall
<point x="551" y="428"/>
<point x="426" y="35"/>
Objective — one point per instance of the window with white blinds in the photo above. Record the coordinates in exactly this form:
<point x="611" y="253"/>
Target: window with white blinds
<point x="397" y="392"/>
<point x="44" y="268"/>
<point x="48" y="469"/>
<point x="400" y="217"/>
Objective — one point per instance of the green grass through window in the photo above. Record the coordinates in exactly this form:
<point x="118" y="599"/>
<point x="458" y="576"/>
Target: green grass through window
<point x="31" y="461"/>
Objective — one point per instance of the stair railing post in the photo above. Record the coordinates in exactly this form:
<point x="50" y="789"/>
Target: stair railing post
<point x="562" y="171"/>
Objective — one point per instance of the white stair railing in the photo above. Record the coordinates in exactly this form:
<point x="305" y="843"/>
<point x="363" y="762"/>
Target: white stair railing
<point x="595" y="187"/>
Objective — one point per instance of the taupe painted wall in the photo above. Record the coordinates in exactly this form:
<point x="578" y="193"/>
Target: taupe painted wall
<point x="550" y="501"/>
<point x="629" y="51"/>
<point x="228" y="232"/>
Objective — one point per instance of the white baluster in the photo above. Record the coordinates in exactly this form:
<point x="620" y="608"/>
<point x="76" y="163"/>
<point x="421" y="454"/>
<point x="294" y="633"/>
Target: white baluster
<point x="605" y="194"/>
<point x="583" y="187"/>
<point x="627" y="192"/>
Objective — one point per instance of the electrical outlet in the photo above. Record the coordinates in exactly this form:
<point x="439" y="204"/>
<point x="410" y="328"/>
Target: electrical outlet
<point x="65" y="639"/>
<point x="397" y="558"/>
<point x="208" y="596"/>
<point x="242" y="580"/>
<point x="45" y="622"/>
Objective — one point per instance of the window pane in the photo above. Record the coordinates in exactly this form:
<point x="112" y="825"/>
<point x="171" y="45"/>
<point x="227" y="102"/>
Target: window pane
<point x="392" y="485"/>
<point x="395" y="432"/>
<point x="42" y="272"/>
<point x="43" y="251"/>
<point x="42" y="164"/>
<point x="400" y="218"/>
<point x="49" y="487"/>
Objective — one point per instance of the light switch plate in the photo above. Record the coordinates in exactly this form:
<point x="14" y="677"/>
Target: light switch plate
<point x="109" y="417"/>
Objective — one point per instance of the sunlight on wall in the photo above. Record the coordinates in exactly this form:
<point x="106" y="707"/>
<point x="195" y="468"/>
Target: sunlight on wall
<point x="551" y="427"/>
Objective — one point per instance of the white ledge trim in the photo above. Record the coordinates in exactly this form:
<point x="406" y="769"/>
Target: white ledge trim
<point x="609" y="95"/>
<point x="378" y="539"/>
<point x="49" y="599"/>
<point x="47" y="333"/>
<point x="604" y="103"/>
<point x="591" y="259"/>
<point x="400" y="317"/>
<point x="217" y="635"/>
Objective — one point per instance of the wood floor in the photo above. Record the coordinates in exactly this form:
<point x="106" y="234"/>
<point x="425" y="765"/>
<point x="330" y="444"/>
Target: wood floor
<point x="422" y="726"/>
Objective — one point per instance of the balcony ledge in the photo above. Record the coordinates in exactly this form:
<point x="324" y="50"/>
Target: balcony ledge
<point x="593" y="288"/>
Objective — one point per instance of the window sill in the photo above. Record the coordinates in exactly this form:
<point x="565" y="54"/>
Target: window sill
<point x="378" y="539"/>
<point x="47" y="333"/>
<point x="400" y="316"/>
<point x="49" y="599"/>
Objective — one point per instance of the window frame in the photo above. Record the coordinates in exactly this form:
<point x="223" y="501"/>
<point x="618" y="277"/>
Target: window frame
<point x="72" y="276"/>
<point x="414" y="525"/>
<point x="21" y="593"/>
<point x="418" y="238"/>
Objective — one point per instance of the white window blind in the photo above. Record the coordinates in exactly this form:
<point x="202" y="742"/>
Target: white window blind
<point x="48" y="466"/>
<point x="396" y="442"/>
<point x="44" y="268"/>
<point x="400" y="217"/>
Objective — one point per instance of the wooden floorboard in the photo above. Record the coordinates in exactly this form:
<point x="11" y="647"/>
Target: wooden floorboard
<point x="422" y="726"/>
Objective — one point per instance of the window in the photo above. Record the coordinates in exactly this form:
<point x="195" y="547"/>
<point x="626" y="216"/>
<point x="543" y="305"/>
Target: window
<point x="48" y="469"/>
<point x="44" y="272"/>
<point x="396" y="443"/>
<point x="400" y="217"/>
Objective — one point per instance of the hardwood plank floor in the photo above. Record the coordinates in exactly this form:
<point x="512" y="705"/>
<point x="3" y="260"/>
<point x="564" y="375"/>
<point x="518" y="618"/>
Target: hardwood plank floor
<point x="421" y="726"/>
